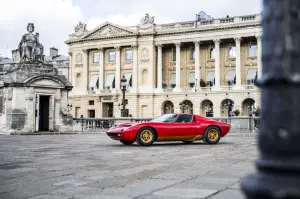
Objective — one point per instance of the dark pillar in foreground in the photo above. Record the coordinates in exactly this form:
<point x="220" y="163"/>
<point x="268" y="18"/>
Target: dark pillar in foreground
<point x="278" y="167"/>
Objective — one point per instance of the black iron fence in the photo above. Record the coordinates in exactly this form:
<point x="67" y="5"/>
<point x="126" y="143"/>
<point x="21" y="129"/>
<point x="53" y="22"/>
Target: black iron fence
<point x="238" y="124"/>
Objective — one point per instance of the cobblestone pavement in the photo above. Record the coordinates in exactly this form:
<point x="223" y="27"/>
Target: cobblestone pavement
<point x="94" y="166"/>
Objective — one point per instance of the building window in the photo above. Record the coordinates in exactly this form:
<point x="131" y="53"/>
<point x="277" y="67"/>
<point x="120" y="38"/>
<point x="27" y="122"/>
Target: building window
<point x="91" y="113"/>
<point x="112" y="56"/>
<point x="96" y="57"/>
<point x="94" y="82"/>
<point x="193" y="54"/>
<point x="212" y="53"/>
<point x="91" y="102"/>
<point x="173" y="54"/>
<point x="232" y="51"/>
<point x="128" y="54"/>
<point x="252" y="50"/>
<point x="110" y="81"/>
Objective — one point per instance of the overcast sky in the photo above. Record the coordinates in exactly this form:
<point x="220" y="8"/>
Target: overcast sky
<point x="55" y="19"/>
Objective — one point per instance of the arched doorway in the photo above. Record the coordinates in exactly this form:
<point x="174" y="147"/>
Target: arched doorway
<point x="227" y="108"/>
<point x="186" y="106"/>
<point x="167" y="107"/>
<point x="248" y="106"/>
<point x="207" y="108"/>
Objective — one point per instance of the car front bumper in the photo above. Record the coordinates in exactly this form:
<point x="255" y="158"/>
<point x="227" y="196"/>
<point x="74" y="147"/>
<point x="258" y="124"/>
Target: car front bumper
<point x="121" y="135"/>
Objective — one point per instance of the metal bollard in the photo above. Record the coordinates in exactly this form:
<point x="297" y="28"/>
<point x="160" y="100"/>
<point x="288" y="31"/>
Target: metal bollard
<point x="278" y="170"/>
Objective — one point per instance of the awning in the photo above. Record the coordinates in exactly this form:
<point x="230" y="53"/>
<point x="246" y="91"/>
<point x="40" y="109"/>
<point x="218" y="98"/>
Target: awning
<point x="127" y="77"/>
<point x="109" y="80"/>
<point x="191" y="78"/>
<point x="93" y="81"/>
<point x="251" y="73"/>
<point x="230" y="75"/>
<point x="173" y="79"/>
<point x="211" y="76"/>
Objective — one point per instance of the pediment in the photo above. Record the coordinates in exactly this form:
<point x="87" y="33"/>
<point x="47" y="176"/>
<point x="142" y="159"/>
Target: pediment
<point x="46" y="83"/>
<point x="108" y="30"/>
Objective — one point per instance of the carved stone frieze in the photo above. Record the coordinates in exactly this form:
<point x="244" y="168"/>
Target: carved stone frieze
<point x="45" y="91"/>
<point x="79" y="29"/>
<point x="144" y="56"/>
<point x="146" y="22"/>
<point x="108" y="30"/>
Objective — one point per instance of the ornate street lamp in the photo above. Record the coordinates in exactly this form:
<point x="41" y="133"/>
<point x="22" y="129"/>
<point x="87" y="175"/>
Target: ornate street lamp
<point x="277" y="173"/>
<point x="69" y="106"/>
<point x="123" y="85"/>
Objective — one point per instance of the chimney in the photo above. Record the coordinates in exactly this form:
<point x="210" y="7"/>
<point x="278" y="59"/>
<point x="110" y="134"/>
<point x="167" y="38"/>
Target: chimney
<point x="53" y="52"/>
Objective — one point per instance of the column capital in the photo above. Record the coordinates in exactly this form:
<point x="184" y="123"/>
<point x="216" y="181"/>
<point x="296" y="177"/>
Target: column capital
<point x="197" y="43"/>
<point x="100" y="49"/>
<point x="177" y="44"/>
<point x="70" y="53"/>
<point x="134" y="46"/>
<point x="238" y="39"/>
<point x="217" y="41"/>
<point x="85" y="50"/>
<point x="159" y="46"/>
<point x="117" y="47"/>
<point x="258" y="36"/>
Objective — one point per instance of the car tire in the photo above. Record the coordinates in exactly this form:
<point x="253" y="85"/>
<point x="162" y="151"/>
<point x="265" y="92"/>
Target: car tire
<point x="126" y="142"/>
<point x="187" y="142"/>
<point x="146" y="136"/>
<point x="212" y="135"/>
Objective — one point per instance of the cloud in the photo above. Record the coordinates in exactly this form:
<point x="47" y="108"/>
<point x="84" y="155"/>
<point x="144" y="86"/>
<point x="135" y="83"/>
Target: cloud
<point x="164" y="11"/>
<point x="53" y="19"/>
<point x="120" y="19"/>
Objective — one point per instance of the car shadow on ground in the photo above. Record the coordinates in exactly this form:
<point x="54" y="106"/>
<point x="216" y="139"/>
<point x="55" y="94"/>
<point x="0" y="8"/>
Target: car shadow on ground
<point x="162" y="144"/>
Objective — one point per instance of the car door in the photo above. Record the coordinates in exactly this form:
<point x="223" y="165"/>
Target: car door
<point x="185" y="125"/>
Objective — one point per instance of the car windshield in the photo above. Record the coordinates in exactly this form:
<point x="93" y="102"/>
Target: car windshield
<point x="165" y="118"/>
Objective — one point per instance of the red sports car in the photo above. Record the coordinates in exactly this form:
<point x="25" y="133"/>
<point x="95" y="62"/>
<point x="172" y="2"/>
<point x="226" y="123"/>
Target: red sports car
<point x="170" y="127"/>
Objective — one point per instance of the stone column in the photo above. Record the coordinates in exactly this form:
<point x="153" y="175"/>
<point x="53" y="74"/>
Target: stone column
<point x="135" y="67"/>
<point x="85" y="74"/>
<point x="197" y="65"/>
<point x="101" y="70"/>
<point x="178" y="69"/>
<point x="118" y="68"/>
<point x="238" y="62"/>
<point x="217" y="64"/>
<point x="259" y="54"/>
<point x="159" y="66"/>
<point x="70" y="71"/>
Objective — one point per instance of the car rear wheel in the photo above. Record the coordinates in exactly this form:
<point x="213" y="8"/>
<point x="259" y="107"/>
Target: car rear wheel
<point x="212" y="135"/>
<point x="126" y="142"/>
<point x="145" y="136"/>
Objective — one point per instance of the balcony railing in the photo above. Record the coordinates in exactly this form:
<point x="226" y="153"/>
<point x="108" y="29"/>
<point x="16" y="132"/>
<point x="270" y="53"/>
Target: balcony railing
<point x="207" y="22"/>
<point x="100" y="125"/>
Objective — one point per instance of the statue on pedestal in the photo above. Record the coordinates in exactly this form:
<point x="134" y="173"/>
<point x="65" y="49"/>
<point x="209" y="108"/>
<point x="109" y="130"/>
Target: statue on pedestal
<point x="31" y="50"/>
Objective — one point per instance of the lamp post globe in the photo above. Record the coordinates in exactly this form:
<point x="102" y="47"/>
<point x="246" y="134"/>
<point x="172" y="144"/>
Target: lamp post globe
<point x="123" y="82"/>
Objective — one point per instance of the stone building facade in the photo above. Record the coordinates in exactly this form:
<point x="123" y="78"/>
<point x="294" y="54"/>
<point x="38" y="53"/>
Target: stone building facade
<point x="202" y="64"/>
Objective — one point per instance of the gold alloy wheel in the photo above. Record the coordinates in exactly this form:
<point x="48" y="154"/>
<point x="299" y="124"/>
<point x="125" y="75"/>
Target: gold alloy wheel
<point x="213" y="135"/>
<point x="146" y="136"/>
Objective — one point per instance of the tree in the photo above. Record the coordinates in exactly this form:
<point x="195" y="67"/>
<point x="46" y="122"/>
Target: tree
<point x="203" y="83"/>
<point x="236" y="112"/>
